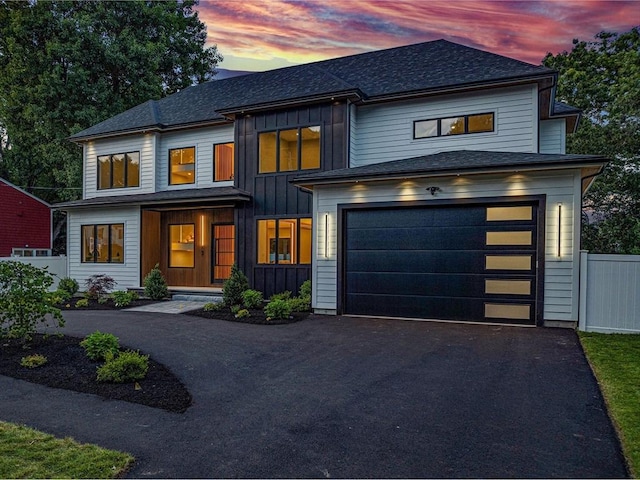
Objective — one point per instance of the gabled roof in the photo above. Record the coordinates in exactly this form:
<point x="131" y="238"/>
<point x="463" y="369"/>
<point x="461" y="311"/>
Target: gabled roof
<point x="417" y="69"/>
<point x="7" y="184"/>
<point x="449" y="163"/>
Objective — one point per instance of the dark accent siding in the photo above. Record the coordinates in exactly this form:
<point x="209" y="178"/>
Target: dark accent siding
<point x="273" y="194"/>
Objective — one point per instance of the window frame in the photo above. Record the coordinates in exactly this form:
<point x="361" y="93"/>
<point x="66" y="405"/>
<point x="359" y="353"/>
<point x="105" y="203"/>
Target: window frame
<point x="95" y="227"/>
<point x="233" y="166"/>
<point x="440" y="134"/>
<point x="195" y="161"/>
<point x="299" y="143"/>
<point x="295" y="248"/>
<point x="126" y="171"/>
<point x="193" y="251"/>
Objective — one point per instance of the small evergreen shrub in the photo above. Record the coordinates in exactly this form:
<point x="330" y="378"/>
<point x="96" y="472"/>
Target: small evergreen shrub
<point x="60" y="296"/>
<point x="128" y="366"/>
<point x="98" y="286"/>
<point x="299" y="304"/>
<point x="213" y="306"/>
<point x="286" y="295"/>
<point x="235" y="309"/>
<point x="234" y="286"/>
<point x="99" y="346"/>
<point x="277" y="309"/>
<point x="252" y="299"/>
<point x="305" y="289"/>
<point x="155" y="286"/>
<point x="33" y="361"/>
<point x="122" y="298"/>
<point x="83" y="302"/>
<point x="244" y="313"/>
<point x="69" y="285"/>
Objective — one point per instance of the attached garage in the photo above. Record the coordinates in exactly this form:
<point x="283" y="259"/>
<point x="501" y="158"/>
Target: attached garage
<point x="449" y="262"/>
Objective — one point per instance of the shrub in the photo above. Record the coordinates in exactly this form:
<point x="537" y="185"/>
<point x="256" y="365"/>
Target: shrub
<point x="213" y="306"/>
<point x="235" y="309"/>
<point x="98" y="345"/>
<point x="122" y="298"/>
<point x="234" y="286"/>
<point x="252" y="299"/>
<point x="83" y="302"/>
<point x="60" y="296"/>
<point x="277" y="309"/>
<point x="98" y="286"/>
<point x="244" y="313"/>
<point x="286" y="295"/>
<point x="299" y="304"/>
<point x="25" y="300"/>
<point x="155" y="286"/>
<point x="305" y="289"/>
<point x="69" y="285"/>
<point x="128" y="366"/>
<point x="33" y="361"/>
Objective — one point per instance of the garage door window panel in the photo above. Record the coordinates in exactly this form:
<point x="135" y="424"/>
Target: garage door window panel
<point x="509" y="214"/>
<point x="508" y="287"/>
<point x="506" y="311"/>
<point x="509" y="238"/>
<point x="508" y="262"/>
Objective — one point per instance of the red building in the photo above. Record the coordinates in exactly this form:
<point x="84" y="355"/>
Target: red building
<point x="25" y="222"/>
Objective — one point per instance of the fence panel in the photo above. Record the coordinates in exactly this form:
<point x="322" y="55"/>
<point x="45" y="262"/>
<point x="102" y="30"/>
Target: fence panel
<point x="57" y="266"/>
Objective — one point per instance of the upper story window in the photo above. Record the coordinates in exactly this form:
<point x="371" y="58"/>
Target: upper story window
<point x="223" y="162"/>
<point x="289" y="150"/>
<point x="284" y="241"/>
<point x="119" y="170"/>
<point x="442" y="127"/>
<point x="182" y="165"/>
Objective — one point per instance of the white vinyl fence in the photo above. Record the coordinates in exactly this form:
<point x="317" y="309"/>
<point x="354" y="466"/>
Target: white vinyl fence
<point x="57" y="266"/>
<point x="609" y="293"/>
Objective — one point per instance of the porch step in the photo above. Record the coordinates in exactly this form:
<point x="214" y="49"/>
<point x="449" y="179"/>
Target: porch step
<point x="185" y="297"/>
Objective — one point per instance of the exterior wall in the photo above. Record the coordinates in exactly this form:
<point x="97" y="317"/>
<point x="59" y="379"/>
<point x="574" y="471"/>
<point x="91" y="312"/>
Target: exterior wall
<point x="203" y="139"/>
<point x="126" y="274"/>
<point x="553" y="136"/>
<point x="384" y="132"/>
<point x="56" y="266"/>
<point x="560" y="278"/>
<point x="24" y="221"/>
<point x="145" y="144"/>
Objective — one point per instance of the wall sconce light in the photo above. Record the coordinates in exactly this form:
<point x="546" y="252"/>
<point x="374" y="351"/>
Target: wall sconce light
<point x="433" y="190"/>
<point x="559" y="252"/>
<point x="326" y="235"/>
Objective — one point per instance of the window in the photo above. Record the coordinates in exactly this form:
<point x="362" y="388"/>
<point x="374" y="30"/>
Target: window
<point x="103" y="243"/>
<point x="289" y="150"/>
<point x="119" y="170"/>
<point x="284" y="241"/>
<point x="223" y="162"/>
<point x="181" y="245"/>
<point x="182" y="166"/>
<point x="442" y="127"/>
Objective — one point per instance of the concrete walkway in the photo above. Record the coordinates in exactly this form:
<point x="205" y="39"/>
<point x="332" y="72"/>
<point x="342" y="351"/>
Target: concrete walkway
<point x="341" y="397"/>
<point x="171" y="306"/>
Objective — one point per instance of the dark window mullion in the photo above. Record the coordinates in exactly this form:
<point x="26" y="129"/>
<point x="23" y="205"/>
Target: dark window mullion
<point x="277" y="171"/>
<point x="466" y="124"/>
<point x="299" y="149"/>
<point x="95" y="244"/>
<point x="126" y="167"/>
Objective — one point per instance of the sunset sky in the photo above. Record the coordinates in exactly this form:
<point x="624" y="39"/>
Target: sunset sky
<point x="265" y="34"/>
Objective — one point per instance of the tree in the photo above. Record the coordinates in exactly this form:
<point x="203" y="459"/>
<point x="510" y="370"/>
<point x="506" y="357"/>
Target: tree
<point x="66" y="65"/>
<point x="602" y="78"/>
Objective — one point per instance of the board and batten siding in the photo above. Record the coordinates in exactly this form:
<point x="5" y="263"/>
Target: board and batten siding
<point x="203" y="139"/>
<point x="145" y="144"/>
<point x="560" y="277"/>
<point x="553" y="136"/>
<point x="126" y="274"/>
<point x="384" y="132"/>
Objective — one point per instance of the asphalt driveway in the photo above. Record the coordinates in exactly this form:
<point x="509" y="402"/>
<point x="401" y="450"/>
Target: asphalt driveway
<point x="342" y="397"/>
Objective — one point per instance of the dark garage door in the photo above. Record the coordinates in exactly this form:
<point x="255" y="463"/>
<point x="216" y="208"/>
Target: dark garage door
<point x="467" y="263"/>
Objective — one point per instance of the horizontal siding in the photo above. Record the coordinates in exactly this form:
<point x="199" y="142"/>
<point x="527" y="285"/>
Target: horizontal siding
<point x="559" y="187"/>
<point x="132" y="143"/>
<point x="552" y="136"/>
<point x="203" y="139"/>
<point x="385" y="132"/>
<point x="125" y="274"/>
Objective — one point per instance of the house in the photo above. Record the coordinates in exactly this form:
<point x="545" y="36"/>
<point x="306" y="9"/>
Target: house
<point x="425" y="181"/>
<point x="25" y="223"/>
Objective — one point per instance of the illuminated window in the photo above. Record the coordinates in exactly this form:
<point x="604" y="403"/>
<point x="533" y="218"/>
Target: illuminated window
<point x="289" y="150"/>
<point x="463" y="124"/>
<point x="103" y="243"/>
<point x="284" y="241"/>
<point x="182" y="164"/>
<point x="119" y="170"/>
<point x="223" y="162"/>
<point x="181" y="245"/>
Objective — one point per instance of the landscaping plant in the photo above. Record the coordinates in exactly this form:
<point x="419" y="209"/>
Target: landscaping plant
<point x="277" y="309"/>
<point x="155" y="286"/>
<point x="243" y="313"/>
<point x="99" y="346"/>
<point x="286" y="295"/>
<point x="98" y="286"/>
<point x="213" y="306"/>
<point x="25" y="300"/>
<point x="83" y="302"/>
<point x="69" y="285"/>
<point x="123" y="298"/>
<point x="33" y="361"/>
<point x="234" y="286"/>
<point x="252" y="299"/>
<point x="127" y="366"/>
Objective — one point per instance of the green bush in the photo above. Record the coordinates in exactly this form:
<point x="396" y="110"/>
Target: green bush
<point x="25" y="300"/>
<point x="286" y="295"/>
<point x="234" y="286"/>
<point x="235" y="309"/>
<point x="252" y="299"/>
<point x="33" y="361"/>
<point x="244" y="313"/>
<point x="213" y="306"/>
<point x="277" y="309"/>
<point x="69" y="285"/>
<point x="305" y="289"/>
<point x="299" y="304"/>
<point x="122" y="298"/>
<point x="98" y="286"/>
<point x="60" y="296"/>
<point x="99" y="346"/>
<point x="128" y="366"/>
<point x="155" y="286"/>
<point x="83" y="302"/>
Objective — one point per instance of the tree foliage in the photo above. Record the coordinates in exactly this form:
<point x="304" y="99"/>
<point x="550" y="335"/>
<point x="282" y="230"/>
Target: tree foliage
<point x="67" y="65"/>
<point x="602" y="77"/>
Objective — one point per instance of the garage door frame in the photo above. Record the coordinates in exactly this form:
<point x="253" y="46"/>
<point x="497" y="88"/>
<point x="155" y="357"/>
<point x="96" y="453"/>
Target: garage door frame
<point x="539" y="202"/>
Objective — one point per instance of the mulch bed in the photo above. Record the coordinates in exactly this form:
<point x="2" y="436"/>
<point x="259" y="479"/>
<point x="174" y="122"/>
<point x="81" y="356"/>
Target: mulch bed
<point x="257" y="317"/>
<point x="69" y="368"/>
<point x="109" y="305"/>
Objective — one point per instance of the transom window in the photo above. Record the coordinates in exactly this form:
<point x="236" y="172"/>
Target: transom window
<point x="223" y="162"/>
<point x="182" y="165"/>
<point x="119" y="170"/>
<point x="442" y="127"/>
<point x="284" y="241"/>
<point x="289" y="150"/>
<point x="103" y="243"/>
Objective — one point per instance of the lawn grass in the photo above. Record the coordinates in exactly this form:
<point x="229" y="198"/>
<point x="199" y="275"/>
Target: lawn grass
<point x="615" y="359"/>
<point x="27" y="453"/>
